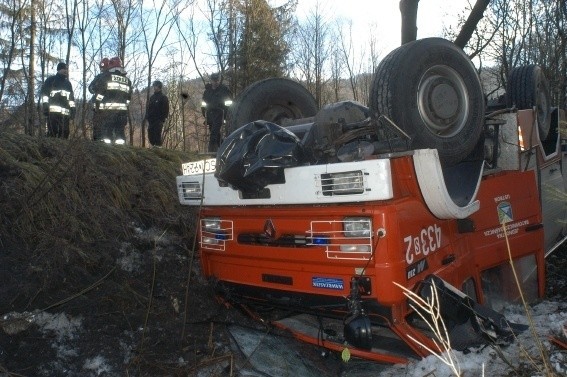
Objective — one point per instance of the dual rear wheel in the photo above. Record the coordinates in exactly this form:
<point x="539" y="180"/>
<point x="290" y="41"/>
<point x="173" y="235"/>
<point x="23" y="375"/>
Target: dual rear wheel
<point x="429" y="88"/>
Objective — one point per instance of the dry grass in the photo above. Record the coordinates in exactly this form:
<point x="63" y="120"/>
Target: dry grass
<point x="65" y="193"/>
<point x="97" y="232"/>
<point x="63" y="201"/>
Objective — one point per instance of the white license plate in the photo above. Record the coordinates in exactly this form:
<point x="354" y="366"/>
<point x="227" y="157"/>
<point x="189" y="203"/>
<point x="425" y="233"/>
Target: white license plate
<point x="198" y="167"/>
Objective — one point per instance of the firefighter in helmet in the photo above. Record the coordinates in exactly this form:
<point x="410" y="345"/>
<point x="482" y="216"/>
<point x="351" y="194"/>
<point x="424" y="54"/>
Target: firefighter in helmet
<point x="58" y="102"/>
<point x="97" y="132"/>
<point x="113" y="92"/>
<point x="216" y="101"/>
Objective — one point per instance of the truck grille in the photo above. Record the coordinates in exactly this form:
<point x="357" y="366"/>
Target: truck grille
<point x="342" y="183"/>
<point x="331" y="235"/>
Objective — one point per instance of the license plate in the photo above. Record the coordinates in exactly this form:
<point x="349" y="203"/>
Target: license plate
<point x="199" y="167"/>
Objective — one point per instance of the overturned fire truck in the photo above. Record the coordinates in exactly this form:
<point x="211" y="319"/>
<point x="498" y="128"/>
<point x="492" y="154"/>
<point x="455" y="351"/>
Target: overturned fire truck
<point x="324" y="215"/>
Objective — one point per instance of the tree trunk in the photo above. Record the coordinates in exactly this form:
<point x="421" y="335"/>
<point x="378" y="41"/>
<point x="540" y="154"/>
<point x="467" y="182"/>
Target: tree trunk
<point x="470" y="25"/>
<point x="408" y="10"/>
<point x="31" y="75"/>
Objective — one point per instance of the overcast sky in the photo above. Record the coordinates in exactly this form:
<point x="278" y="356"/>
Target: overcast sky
<point x="385" y="14"/>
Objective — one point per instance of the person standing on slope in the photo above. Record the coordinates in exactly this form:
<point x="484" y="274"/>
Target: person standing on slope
<point x="113" y="94"/>
<point x="157" y="112"/>
<point x="58" y="102"/>
<point x="216" y="101"/>
<point x="97" y="127"/>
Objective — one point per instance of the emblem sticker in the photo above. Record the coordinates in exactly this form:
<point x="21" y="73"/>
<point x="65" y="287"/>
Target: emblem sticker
<point x="505" y="212"/>
<point x="327" y="283"/>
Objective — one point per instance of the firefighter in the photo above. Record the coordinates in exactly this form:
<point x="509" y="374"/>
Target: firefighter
<point x="58" y="102"/>
<point x="97" y="132"/>
<point x="157" y="112"/>
<point x="113" y="92"/>
<point x="216" y="101"/>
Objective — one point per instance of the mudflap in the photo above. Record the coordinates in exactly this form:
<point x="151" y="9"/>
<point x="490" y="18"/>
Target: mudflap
<point x="468" y="323"/>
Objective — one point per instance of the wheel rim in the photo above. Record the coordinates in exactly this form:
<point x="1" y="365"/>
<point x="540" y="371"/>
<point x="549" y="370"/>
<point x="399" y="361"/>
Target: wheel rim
<point x="443" y="101"/>
<point x="278" y="113"/>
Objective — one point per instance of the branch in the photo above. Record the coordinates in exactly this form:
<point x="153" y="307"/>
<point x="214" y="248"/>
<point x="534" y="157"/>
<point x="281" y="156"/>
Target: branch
<point x="468" y="28"/>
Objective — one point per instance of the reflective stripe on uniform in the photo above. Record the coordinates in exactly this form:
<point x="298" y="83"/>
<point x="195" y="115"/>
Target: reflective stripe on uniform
<point x="113" y="106"/>
<point x="61" y="92"/>
<point x="118" y="86"/>
<point x="59" y="110"/>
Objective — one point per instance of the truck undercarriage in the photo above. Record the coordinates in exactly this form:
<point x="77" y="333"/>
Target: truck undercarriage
<point x="332" y="219"/>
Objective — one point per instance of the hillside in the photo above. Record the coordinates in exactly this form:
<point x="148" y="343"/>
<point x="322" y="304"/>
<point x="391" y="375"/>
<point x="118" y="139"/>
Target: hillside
<point x="97" y="272"/>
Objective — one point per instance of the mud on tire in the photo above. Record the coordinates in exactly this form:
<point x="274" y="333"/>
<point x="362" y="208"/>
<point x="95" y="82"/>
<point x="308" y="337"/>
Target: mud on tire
<point x="273" y="100"/>
<point x="431" y="90"/>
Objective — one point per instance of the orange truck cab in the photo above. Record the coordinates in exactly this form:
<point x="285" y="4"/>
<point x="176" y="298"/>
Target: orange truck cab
<point x="364" y="206"/>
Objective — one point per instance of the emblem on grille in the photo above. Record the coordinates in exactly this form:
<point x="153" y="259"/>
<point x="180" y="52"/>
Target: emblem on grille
<point x="270" y="229"/>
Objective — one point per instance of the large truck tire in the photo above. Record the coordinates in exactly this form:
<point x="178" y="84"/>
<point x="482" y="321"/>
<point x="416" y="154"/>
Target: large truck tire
<point x="431" y="90"/>
<point x="273" y="100"/>
<point x="528" y="88"/>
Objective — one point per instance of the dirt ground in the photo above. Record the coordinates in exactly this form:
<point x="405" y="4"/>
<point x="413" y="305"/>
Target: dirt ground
<point x="131" y="309"/>
<point x="97" y="272"/>
<point x="103" y="280"/>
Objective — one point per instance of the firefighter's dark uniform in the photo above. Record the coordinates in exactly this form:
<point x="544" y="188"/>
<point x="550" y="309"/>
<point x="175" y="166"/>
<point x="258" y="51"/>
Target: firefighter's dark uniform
<point x="214" y="108"/>
<point x="157" y="112"/>
<point x="58" y="103"/>
<point x="96" y="122"/>
<point x="113" y="92"/>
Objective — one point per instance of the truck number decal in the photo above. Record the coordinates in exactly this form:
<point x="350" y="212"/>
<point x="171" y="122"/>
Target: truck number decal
<point x="416" y="268"/>
<point x="428" y="241"/>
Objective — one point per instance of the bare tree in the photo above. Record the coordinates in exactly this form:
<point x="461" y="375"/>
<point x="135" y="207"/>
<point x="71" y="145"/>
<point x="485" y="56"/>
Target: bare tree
<point x="313" y="51"/>
<point x="352" y="60"/>
<point x="13" y="14"/>
<point x="30" y="113"/>
<point x="157" y="22"/>
<point x="220" y="15"/>
<point x="336" y="70"/>
<point x="70" y="21"/>
<point x="126" y="36"/>
<point x="513" y="34"/>
<point x="89" y="40"/>
<point x="470" y="25"/>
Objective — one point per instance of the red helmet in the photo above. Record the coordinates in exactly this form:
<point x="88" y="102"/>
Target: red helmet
<point x="115" y="62"/>
<point x="104" y="63"/>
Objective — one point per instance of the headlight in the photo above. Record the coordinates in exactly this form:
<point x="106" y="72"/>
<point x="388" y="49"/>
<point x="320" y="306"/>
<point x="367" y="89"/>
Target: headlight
<point x="228" y="102"/>
<point x="211" y="224"/>
<point x="343" y="183"/>
<point x="211" y="231"/>
<point x="203" y="104"/>
<point x="191" y="190"/>
<point x="360" y="227"/>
